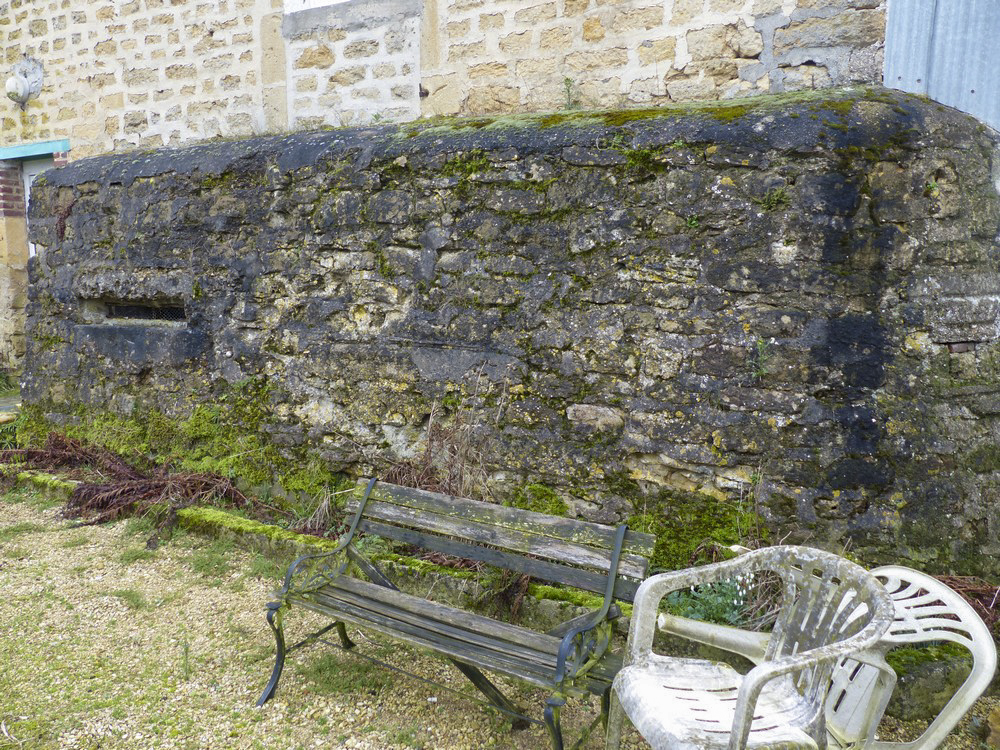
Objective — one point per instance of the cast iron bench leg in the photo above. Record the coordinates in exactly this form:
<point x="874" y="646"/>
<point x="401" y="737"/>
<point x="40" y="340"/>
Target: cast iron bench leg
<point x="273" y="612"/>
<point x="552" y="708"/>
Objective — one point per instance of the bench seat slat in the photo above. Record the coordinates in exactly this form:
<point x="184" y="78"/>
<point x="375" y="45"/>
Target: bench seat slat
<point x="421" y="637"/>
<point x="587" y="580"/>
<point x="515" y="519"/>
<point x="528" y="543"/>
<point x="450" y="622"/>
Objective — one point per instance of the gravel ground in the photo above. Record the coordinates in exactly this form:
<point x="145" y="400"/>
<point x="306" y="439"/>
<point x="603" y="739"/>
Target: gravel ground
<point x="108" y="645"/>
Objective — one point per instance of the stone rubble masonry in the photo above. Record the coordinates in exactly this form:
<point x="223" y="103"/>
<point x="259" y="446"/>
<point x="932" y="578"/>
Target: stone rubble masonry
<point x="791" y="304"/>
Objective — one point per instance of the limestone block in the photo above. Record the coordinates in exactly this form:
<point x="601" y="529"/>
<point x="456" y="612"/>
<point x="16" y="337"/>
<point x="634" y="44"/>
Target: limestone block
<point x="517" y="43"/>
<point x="445" y="95"/>
<point x="361" y="48"/>
<point x="302" y="83"/>
<point x="605" y="92"/>
<point x="542" y="12"/>
<point x="488" y="70"/>
<point x="806" y="77"/>
<point x="638" y="19"/>
<point x="853" y="29"/>
<point x="685" y="11"/>
<point x="181" y="71"/>
<point x="560" y="37"/>
<point x="113" y="101"/>
<point x="317" y="56"/>
<point x="728" y="40"/>
<point x="490" y="21"/>
<point x="657" y="51"/>
<point x="725" y="6"/>
<point x="384" y="70"/>
<point x="575" y="7"/>
<point x="458" y="29"/>
<point x="687" y="89"/>
<point x="540" y="66"/>
<point x="348" y="76"/>
<point x="593" y="30"/>
<point x="489" y="99"/>
<point x="615" y="57"/>
<point x="465" y="51"/>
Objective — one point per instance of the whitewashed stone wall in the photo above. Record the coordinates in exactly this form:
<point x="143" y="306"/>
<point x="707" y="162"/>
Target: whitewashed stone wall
<point x="489" y="57"/>
<point x="353" y="62"/>
<point x="137" y="73"/>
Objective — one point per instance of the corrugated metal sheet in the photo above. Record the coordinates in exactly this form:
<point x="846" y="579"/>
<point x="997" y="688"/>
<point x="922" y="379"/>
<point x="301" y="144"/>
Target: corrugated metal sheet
<point x="948" y="50"/>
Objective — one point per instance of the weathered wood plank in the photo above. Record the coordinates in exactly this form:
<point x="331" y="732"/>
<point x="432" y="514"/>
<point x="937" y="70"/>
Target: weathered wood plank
<point x="422" y="638"/>
<point x="579" y="532"/>
<point x="541" y="546"/>
<point x="454" y="624"/>
<point x="586" y="580"/>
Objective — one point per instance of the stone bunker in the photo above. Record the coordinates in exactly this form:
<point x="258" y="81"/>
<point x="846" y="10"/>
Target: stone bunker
<point x="781" y="306"/>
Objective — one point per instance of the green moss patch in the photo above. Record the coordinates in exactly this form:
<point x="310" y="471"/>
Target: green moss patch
<point x="906" y="660"/>
<point x="683" y="522"/>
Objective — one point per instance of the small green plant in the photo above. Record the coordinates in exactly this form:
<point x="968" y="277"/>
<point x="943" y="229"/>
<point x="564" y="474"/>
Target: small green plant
<point x="186" y="659"/>
<point x="773" y="199"/>
<point x="759" y="358"/>
<point x="133" y="599"/>
<point x="692" y="221"/>
<point x="8" y="384"/>
<point x="932" y="189"/>
<point x="568" y="85"/>
<point x="720" y="603"/>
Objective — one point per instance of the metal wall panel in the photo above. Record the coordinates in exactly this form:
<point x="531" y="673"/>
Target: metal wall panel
<point x="948" y="50"/>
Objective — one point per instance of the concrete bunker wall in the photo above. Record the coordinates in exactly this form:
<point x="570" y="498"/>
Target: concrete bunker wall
<point x="787" y="303"/>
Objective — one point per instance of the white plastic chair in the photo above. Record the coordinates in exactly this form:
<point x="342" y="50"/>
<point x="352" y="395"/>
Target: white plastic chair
<point x="925" y="610"/>
<point x="830" y="608"/>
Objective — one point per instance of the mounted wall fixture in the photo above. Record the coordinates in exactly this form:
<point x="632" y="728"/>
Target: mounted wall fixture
<point x="25" y="81"/>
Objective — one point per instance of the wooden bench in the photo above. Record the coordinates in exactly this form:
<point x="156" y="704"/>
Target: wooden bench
<point x="569" y="661"/>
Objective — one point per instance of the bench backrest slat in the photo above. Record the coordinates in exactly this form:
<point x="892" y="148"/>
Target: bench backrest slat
<point x="516" y="519"/>
<point x="560" y="550"/>
<point x="538" y="545"/>
<point x="586" y="580"/>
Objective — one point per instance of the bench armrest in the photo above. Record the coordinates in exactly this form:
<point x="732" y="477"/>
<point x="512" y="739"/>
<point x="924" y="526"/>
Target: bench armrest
<point x="307" y="563"/>
<point x="584" y="643"/>
<point x="321" y="573"/>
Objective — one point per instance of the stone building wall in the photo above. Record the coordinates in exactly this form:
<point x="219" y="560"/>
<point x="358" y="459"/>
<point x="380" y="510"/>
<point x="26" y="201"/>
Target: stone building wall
<point x="138" y="74"/>
<point x="543" y="55"/>
<point x="787" y="305"/>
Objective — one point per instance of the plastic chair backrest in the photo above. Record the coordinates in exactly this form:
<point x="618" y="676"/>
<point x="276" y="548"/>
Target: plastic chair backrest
<point x="925" y="610"/>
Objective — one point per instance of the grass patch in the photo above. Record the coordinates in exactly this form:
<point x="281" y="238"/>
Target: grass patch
<point x="133" y="599"/>
<point x="331" y="673"/>
<point x="73" y="542"/>
<point x="135" y="554"/>
<point x="262" y="566"/>
<point x="30" y="497"/>
<point x="10" y="533"/>
<point x="16" y="553"/>
<point x="213" y="559"/>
